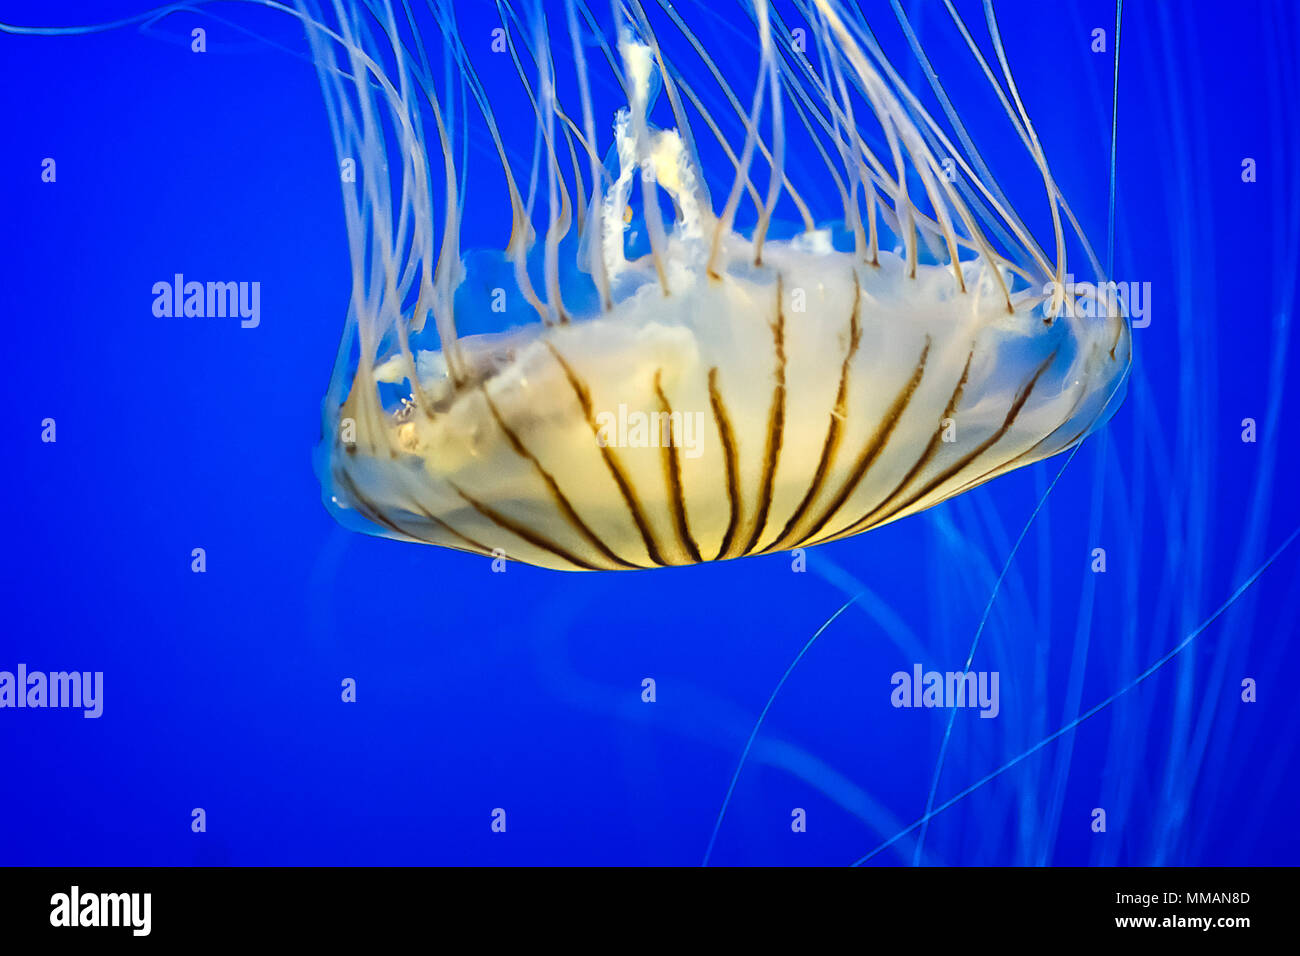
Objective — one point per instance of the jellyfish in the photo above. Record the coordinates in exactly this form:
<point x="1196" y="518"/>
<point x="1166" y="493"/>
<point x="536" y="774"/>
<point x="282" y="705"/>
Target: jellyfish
<point x="676" y="376"/>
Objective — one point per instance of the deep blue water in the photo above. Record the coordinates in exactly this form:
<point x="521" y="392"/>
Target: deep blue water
<point x="522" y="691"/>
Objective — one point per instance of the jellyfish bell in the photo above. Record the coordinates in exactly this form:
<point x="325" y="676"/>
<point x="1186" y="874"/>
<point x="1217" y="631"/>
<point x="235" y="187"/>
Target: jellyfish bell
<point x="684" y="392"/>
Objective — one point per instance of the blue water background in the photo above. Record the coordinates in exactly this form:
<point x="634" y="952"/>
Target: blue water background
<point x="522" y="690"/>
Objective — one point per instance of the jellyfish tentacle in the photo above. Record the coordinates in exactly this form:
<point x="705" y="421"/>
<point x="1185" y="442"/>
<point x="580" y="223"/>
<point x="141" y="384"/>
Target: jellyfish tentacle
<point x="903" y="136"/>
<point x="783" y="38"/>
<point x="698" y="103"/>
<point x="549" y="310"/>
<point x="778" y="131"/>
<point x="843" y="131"/>
<point x="805" y="107"/>
<point x="857" y="170"/>
<point x="560" y="220"/>
<point x="372" y="298"/>
<point x="547" y="109"/>
<point x="939" y="191"/>
<point x="842" y="114"/>
<point x="521" y="230"/>
<point x="595" y="261"/>
<point x="729" y="94"/>
<point x="1040" y="158"/>
<point x="975" y="173"/>
<point x="869" y="85"/>
<point x="728" y="216"/>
